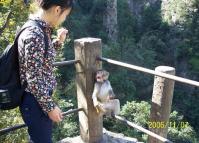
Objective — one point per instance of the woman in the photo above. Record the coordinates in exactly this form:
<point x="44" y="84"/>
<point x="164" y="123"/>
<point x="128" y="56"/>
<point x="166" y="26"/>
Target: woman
<point x="36" y="71"/>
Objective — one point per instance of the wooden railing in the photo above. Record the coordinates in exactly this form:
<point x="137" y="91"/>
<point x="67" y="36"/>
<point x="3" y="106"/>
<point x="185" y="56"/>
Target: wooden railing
<point x="10" y="129"/>
<point x="88" y="59"/>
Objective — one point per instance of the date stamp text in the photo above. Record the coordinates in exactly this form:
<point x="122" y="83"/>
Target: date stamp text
<point x="162" y="124"/>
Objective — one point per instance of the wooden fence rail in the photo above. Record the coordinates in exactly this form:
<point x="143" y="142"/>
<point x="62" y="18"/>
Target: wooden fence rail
<point x="149" y="71"/>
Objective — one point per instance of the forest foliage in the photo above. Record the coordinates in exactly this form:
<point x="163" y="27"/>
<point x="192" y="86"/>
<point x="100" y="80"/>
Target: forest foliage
<point x="162" y="34"/>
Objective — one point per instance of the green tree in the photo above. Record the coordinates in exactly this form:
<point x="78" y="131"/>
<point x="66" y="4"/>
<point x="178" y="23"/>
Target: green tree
<point x="10" y="18"/>
<point x="8" y="119"/>
<point x="180" y="131"/>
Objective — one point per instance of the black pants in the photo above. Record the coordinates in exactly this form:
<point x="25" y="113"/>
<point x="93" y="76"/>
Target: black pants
<point x="39" y="124"/>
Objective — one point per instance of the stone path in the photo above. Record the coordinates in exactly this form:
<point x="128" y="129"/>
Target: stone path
<point x="108" y="137"/>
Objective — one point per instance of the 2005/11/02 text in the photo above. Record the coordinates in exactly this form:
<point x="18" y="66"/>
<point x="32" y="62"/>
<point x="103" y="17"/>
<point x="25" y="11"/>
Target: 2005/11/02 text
<point x="172" y="124"/>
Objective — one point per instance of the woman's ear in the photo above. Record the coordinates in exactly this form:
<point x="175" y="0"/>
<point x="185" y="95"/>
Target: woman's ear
<point x="57" y="10"/>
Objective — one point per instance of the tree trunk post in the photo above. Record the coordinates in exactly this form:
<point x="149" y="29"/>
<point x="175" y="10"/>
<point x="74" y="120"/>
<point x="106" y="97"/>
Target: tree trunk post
<point x="161" y="104"/>
<point x="91" y="124"/>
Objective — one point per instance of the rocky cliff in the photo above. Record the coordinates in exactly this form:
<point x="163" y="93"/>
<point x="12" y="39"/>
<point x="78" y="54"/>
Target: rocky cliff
<point x="110" y="20"/>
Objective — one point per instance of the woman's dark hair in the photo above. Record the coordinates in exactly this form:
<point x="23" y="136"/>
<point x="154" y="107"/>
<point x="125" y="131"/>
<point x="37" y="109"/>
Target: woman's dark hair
<point x="64" y="4"/>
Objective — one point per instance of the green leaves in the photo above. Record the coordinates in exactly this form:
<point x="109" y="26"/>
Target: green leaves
<point x="19" y="14"/>
<point x="138" y="112"/>
<point x="180" y="130"/>
<point x="10" y="118"/>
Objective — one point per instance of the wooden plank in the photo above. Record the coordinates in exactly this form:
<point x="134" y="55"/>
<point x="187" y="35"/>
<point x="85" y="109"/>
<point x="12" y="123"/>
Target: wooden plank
<point x="161" y="103"/>
<point x="91" y="124"/>
<point x="149" y="71"/>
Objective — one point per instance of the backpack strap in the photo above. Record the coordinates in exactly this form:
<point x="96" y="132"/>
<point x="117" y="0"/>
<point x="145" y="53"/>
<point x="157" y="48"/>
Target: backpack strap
<point x="28" y="24"/>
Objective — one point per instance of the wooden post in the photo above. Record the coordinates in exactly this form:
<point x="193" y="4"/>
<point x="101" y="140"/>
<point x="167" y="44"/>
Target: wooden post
<point x="91" y="125"/>
<point x="161" y="104"/>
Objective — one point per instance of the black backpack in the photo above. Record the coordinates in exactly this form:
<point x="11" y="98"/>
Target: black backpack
<point x="11" y="90"/>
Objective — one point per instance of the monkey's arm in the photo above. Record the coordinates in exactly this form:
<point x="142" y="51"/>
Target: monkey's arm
<point x="94" y="95"/>
<point x="110" y="92"/>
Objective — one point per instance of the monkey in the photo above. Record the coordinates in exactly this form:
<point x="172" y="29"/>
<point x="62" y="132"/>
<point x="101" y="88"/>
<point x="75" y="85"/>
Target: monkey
<point x="103" y="96"/>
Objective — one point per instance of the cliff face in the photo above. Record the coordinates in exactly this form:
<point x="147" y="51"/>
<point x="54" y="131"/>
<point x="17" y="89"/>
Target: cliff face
<point x="175" y="14"/>
<point x="137" y="6"/>
<point x="110" y="20"/>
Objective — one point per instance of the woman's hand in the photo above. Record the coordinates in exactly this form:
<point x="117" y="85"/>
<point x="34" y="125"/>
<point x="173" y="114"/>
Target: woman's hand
<point x="61" y="34"/>
<point x="55" y="115"/>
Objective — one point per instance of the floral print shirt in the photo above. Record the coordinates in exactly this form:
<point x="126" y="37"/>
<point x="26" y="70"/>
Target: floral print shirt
<point x="35" y="68"/>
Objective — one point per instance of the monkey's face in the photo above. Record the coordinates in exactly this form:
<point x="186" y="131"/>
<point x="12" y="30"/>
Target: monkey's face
<point x="101" y="76"/>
